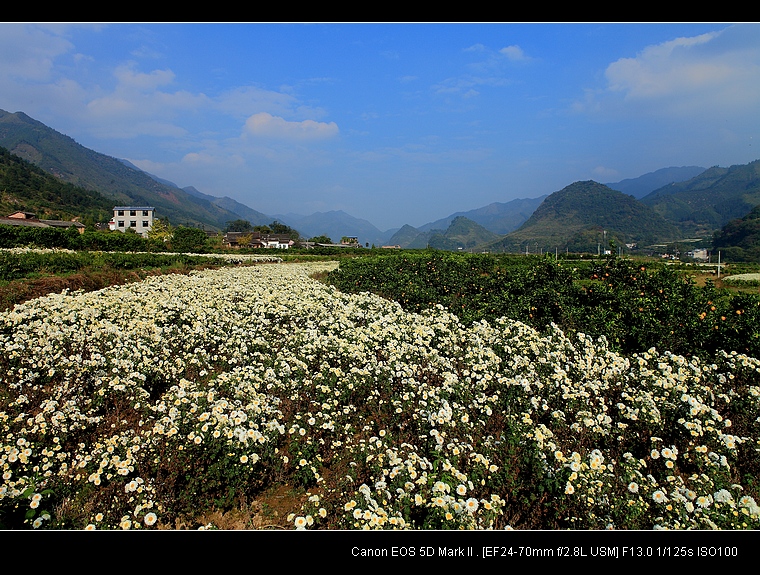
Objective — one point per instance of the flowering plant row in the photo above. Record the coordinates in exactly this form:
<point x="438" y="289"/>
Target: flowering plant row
<point x="135" y="406"/>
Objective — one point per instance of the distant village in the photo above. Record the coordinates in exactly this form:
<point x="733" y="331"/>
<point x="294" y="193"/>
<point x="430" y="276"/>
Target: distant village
<point x="30" y="219"/>
<point x="140" y="220"/>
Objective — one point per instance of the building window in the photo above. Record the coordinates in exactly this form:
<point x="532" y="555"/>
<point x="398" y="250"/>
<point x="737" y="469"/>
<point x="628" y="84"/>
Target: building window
<point x="146" y="223"/>
<point x="132" y="212"/>
<point x="145" y="213"/>
<point x="121" y="223"/>
<point x="121" y="213"/>
<point x="133" y="224"/>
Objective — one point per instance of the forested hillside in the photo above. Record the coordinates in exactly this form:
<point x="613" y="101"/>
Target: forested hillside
<point x="739" y="240"/>
<point x="584" y="215"/>
<point x="25" y="187"/>
<point x="62" y="157"/>
<point x="710" y="200"/>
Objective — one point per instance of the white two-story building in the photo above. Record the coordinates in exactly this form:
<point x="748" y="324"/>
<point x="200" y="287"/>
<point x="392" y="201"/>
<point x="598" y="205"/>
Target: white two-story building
<point x="137" y="218"/>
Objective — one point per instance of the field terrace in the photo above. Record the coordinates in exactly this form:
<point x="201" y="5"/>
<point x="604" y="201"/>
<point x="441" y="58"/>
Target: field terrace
<point x="140" y="405"/>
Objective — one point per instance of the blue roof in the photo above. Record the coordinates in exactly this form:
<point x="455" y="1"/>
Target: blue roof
<point x="133" y="208"/>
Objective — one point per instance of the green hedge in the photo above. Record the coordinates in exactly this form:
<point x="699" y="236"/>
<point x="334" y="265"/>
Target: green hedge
<point x="18" y="265"/>
<point x="634" y="306"/>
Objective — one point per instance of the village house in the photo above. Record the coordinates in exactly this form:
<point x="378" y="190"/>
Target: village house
<point x="256" y="240"/>
<point x="30" y="219"/>
<point x="137" y="218"/>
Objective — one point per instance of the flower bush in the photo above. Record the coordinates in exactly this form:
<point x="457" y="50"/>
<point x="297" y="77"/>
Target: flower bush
<point x="135" y="406"/>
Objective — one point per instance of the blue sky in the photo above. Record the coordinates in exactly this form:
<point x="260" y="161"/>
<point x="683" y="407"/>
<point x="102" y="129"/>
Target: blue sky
<point x="393" y="123"/>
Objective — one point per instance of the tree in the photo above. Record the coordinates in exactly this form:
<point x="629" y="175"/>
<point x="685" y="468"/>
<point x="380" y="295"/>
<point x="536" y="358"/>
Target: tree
<point x="245" y="240"/>
<point x="216" y="241"/>
<point x="239" y="226"/>
<point x="282" y="229"/>
<point x="321" y="240"/>
<point x="188" y="240"/>
<point x="161" y="231"/>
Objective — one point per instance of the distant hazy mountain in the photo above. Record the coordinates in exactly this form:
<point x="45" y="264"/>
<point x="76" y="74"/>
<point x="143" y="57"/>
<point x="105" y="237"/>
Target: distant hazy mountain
<point x="643" y="185"/>
<point x="461" y="234"/>
<point x="710" y="200"/>
<point x="585" y="215"/>
<point x="159" y="180"/>
<point x="241" y="210"/>
<point x="337" y="224"/>
<point x="498" y="217"/>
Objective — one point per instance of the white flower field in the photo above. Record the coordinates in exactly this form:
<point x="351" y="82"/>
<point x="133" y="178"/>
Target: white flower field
<point x="135" y="406"/>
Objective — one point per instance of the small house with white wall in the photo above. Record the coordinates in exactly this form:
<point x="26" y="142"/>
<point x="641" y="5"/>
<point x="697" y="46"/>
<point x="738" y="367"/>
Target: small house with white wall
<point x="137" y="218"/>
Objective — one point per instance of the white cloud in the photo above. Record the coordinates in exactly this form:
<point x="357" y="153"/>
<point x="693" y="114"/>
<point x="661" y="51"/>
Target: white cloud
<point x="719" y="70"/>
<point x="265" y="125"/>
<point x="139" y="105"/>
<point x="28" y="52"/>
<point x="132" y="80"/>
<point x="245" y="100"/>
<point x="514" y="53"/>
<point x="467" y="86"/>
<point x="206" y="158"/>
<point x="604" y="174"/>
<point x="490" y="69"/>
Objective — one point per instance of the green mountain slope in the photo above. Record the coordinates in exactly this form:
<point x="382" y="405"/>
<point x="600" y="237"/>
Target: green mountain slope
<point x="710" y="200"/>
<point x="585" y="215"/>
<point x="463" y="234"/>
<point x="739" y="239"/>
<point x="62" y="157"/>
<point x="25" y="187"/>
<point x="498" y="217"/>
<point x="404" y="237"/>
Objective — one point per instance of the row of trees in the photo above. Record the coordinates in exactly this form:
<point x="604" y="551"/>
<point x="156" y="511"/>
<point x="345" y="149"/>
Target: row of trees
<point x="277" y="228"/>
<point x="162" y="238"/>
<point x="274" y="228"/>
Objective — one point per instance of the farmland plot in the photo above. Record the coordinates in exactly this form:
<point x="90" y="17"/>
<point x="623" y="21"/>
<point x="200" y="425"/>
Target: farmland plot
<point x="134" y="406"/>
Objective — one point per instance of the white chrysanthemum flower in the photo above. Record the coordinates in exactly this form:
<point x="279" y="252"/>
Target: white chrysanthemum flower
<point x="300" y="522"/>
<point x="471" y="505"/>
<point x="659" y="496"/>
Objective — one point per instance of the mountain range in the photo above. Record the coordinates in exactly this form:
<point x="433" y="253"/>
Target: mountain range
<point x="666" y="205"/>
<point x="585" y="217"/>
